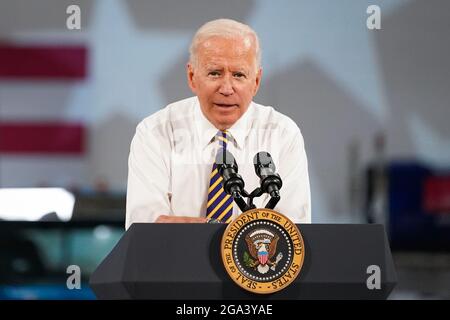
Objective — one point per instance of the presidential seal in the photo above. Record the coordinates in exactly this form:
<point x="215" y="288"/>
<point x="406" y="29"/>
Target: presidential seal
<point x="262" y="251"/>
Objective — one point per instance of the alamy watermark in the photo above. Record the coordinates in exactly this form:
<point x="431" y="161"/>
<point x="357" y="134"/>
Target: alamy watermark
<point x="373" y="282"/>
<point x="74" y="280"/>
<point x="373" y="21"/>
<point x="73" y="21"/>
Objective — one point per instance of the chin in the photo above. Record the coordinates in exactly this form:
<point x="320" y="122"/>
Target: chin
<point x="227" y="121"/>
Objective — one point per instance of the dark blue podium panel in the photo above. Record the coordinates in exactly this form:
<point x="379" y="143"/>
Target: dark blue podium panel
<point x="183" y="261"/>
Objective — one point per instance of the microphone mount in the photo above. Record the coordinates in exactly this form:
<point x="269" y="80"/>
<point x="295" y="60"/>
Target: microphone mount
<point x="234" y="185"/>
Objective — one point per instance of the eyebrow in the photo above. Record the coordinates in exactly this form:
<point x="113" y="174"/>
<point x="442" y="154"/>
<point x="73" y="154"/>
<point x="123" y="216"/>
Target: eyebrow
<point x="217" y="68"/>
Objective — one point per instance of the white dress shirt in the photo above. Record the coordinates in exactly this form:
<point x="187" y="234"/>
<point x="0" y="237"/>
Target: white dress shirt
<point x="173" y="150"/>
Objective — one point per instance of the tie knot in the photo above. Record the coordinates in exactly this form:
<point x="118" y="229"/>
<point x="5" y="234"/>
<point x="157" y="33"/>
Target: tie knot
<point x="223" y="137"/>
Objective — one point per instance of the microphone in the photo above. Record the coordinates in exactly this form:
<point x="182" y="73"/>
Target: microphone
<point x="265" y="169"/>
<point x="233" y="184"/>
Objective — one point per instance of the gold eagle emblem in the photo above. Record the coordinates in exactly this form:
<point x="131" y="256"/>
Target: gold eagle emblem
<point x="262" y="245"/>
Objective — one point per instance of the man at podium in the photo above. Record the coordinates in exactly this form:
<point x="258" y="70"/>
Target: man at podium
<point x="172" y="174"/>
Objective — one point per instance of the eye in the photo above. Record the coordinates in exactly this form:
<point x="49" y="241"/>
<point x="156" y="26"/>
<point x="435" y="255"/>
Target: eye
<point x="214" y="73"/>
<point x="238" y="75"/>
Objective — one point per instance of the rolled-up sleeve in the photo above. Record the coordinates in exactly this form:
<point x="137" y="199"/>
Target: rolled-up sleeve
<point x="148" y="177"/>
<point x="293" y="168"/>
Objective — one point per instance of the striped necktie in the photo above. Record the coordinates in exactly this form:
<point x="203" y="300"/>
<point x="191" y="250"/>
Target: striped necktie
<point x="220" y="204"/>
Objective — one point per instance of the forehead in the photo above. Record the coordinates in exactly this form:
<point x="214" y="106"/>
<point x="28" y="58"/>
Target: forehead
<point x="218" y="50"/>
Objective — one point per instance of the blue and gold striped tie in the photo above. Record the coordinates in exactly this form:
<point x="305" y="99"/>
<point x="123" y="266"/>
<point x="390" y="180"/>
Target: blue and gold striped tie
<point x="220" y="204"/>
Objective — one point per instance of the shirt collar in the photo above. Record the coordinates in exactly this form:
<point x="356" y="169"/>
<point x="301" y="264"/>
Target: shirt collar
<point x="206" y="130"/>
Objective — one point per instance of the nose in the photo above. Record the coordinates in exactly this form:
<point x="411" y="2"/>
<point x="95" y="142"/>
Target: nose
<point x="226" y="86"/>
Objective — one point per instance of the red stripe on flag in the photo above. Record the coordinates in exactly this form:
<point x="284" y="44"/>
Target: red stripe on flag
<point x="48" y="137"/>
<point x="436" y="197"/>
<point x="47" y="62"/>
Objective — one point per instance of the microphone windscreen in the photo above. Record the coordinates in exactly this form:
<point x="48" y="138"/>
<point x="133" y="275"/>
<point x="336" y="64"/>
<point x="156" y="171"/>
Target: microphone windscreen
<point x="262" y="158"/>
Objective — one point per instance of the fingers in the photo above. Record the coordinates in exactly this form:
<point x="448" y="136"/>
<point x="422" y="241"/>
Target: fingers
<point x="162" y="219"/>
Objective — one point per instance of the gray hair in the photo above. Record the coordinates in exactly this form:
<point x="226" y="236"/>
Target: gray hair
<point x="224" y="28"/>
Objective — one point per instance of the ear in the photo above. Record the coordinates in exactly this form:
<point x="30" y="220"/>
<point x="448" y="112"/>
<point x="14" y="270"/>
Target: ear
<point x="257" y="81"/>
<point x="190" y="77"/>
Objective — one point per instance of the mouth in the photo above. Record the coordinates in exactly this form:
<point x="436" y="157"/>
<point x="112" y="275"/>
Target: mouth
<point x="225" y="105"/>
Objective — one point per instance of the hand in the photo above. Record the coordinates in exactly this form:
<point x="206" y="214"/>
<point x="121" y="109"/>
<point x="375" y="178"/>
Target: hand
<point x="173" y="219"/>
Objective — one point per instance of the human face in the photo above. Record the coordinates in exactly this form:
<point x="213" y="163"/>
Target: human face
<point x="225" y="78"/>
